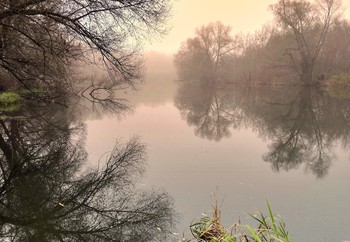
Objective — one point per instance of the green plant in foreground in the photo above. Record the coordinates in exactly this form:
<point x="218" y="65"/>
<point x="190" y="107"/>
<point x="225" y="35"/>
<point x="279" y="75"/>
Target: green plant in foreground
<point x="270" y="229"/>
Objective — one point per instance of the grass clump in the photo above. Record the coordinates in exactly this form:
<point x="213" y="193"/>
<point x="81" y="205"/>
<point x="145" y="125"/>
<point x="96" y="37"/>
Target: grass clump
<point x="210" y="229"/>
<point x="269" y="229"/>
<point x="9" y="97"/>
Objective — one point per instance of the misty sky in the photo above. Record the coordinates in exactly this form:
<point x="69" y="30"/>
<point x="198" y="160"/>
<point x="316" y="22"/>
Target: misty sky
<point x="243" y="15"/>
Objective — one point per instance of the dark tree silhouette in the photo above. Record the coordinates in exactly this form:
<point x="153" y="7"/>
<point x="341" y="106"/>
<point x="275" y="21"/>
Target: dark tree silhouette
<point x="46" y="193"/>
<point x="39" y="39"/>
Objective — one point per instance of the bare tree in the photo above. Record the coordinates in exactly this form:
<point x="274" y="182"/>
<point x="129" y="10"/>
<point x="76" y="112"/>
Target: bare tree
<point x="40" y="38"/>
<point x="216" y="41"/>
<point x="310" y="24"/>
<point x="334" y="58"/>
<point x="207" y="50"/>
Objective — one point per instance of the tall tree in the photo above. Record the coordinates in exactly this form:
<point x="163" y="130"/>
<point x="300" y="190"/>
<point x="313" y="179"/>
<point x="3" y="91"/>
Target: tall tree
<point x="206" y="50"/>
<point x="310" y="24"/>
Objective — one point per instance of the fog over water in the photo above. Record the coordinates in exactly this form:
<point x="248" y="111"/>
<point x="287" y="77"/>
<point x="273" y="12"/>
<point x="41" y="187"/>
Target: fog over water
<point x="105" y="136"/>
<point x="192" y="163"/>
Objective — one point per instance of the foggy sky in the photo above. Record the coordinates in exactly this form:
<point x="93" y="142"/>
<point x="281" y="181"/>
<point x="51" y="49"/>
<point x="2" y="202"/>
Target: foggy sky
<point x="243" y="15"/>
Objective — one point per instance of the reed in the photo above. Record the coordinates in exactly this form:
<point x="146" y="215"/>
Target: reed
<point x="270" y="228"/>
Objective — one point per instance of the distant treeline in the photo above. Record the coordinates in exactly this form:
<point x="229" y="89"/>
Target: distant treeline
<point x="308" y="43"/>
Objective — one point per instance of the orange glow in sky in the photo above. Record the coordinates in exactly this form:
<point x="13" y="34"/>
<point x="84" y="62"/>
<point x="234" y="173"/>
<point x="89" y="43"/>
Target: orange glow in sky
<point x="243" y="15"/>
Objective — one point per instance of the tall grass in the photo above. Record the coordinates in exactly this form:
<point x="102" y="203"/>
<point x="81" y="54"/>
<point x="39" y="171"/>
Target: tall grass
<point x="270" y="228"/>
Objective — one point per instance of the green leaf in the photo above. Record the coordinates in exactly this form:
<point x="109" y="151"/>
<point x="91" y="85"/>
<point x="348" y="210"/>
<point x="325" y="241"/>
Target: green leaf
<point x="255" y="236"/>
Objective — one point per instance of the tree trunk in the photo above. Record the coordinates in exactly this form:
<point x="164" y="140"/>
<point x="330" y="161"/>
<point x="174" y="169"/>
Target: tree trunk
<point x="307" y="69"/>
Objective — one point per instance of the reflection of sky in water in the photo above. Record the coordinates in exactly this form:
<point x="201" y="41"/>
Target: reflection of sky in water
<point x="191" y="168"/>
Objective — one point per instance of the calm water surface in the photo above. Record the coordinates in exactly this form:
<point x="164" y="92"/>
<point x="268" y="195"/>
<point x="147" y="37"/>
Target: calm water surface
<point x="246" y="145"/>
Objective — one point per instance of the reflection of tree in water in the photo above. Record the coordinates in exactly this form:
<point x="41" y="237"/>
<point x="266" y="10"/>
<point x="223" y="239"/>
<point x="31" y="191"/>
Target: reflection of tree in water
<point x="303" y="124"/>
<point x="299" y="138"/>
<point x="45" y="195"/>
<point x="208" y="108"/>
